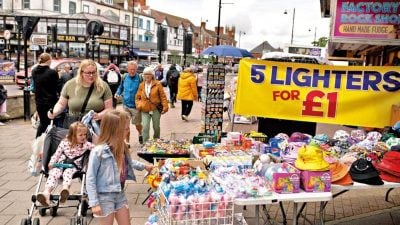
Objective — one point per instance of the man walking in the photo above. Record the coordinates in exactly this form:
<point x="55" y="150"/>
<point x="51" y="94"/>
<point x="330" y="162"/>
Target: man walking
<point x="127" y="89"/>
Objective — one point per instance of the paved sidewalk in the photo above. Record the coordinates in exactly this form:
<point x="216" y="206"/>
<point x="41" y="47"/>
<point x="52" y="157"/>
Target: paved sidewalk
<point x="17" y="186"/>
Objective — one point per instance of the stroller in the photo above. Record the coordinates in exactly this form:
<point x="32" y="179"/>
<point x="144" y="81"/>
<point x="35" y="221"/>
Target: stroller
<point x="54" y="135"/>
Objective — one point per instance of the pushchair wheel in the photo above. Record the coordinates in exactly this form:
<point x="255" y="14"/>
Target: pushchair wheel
<point x="42" y="211"/>
<point x="53" y="211"/>
<point x="25" y="221"/>
<point x="36" y="221"/>
<point x="84" y="208"/>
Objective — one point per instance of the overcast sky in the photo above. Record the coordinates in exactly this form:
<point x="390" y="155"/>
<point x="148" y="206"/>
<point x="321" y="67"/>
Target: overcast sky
<point x="261" y="20"/>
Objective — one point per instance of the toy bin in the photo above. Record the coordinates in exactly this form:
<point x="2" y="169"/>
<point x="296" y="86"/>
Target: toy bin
<point x="206" y="211"/>
<point x="316" y="181"/>
<point x="286" y="182"/>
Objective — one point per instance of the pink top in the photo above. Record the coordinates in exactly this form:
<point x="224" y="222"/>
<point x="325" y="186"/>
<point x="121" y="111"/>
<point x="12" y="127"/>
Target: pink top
<point x="76" y="150"/>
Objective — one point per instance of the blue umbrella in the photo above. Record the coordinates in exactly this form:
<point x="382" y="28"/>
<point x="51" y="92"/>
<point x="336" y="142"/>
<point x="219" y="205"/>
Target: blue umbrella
<point x="227" y="51"/>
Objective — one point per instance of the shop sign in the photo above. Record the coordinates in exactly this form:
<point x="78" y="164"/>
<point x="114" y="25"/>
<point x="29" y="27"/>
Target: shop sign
<point x="352" y="95"/>
<point x="71" y="38"/>
<point x="110" y="41"/>
<point x="39" y="39"/>
<point x="367" y="20"/>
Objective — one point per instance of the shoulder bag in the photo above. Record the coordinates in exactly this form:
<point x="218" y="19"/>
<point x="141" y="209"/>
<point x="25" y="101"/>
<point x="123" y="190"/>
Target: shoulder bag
<point x="70" y="118"/>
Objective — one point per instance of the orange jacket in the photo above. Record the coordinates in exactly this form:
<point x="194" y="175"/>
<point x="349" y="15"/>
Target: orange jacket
<point x="157" y="96"/>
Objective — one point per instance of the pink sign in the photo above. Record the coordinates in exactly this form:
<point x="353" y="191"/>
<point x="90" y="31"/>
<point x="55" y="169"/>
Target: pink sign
<point x="374" y="19"/>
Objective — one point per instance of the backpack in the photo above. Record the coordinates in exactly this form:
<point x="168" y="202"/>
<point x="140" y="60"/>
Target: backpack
<point x="174" y="77"/>
<point x="3" y="94"/>
<point x="112" y="77"/>
<point x="159" y="75"/>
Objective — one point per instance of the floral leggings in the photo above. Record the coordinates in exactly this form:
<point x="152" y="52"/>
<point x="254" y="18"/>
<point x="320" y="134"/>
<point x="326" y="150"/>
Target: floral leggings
<point x="56" y="173"/>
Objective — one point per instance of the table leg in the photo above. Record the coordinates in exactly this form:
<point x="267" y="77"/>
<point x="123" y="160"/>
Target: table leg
<point x="387" y="194"/>
<point x="257" y="214"/>
<point x="294" y="213"/>
<point x="321" y="212"/>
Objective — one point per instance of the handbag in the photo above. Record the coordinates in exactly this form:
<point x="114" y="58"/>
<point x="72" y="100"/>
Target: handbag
<point x="70" y="118"/>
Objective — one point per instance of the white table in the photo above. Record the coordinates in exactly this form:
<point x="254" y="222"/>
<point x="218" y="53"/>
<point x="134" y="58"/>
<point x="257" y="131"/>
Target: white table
<point x="301" y="197"/>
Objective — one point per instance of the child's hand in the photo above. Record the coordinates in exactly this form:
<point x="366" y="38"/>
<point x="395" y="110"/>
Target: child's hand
<point x="96" y="210"/>
<point x="149" y="167"/>
<point x="50" y="166"/>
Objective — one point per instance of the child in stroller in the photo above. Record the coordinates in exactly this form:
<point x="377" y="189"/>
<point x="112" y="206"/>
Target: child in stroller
<point x="66" y="161"/>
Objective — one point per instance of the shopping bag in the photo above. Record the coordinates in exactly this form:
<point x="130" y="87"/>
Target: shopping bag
<point x="35" y="161"/>
<point x="35" y="120"/>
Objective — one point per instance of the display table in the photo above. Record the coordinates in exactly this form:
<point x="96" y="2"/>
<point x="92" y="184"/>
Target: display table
<point x="360" y="186"/>
<point x="152" y="157"/>
<point x="301" y="197"/>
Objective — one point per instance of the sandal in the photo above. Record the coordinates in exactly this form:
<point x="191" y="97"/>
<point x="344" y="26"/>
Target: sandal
<point x="44" y="199"/>
<point x="64" y="195"/>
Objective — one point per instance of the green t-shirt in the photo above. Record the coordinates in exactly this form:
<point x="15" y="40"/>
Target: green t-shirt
<point x="76" y="99"/>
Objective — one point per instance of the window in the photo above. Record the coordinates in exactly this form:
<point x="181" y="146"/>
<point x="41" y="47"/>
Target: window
<point x="98" y="12"/>
<point x="57" y="5"/>
<point x="140" y="37"/>
<point x="61" y="26"/>
<point x="147" y="38"/>
<point x="26" y="4"/>
<point x="110" y="2"/>
<point x="72" y="7"/>
<point x="140" y="23"/>
<point x="148" y="25"/>
<point x="127" y="19"/>
<point x="114" y="31"/>
<point x="85" y="8"/>
<point x="1" y="4"/>
<point x="77" y="27"/>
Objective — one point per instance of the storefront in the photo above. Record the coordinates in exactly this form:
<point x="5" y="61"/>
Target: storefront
<point x="367" y="30"/>
<point x="72" y="39"/>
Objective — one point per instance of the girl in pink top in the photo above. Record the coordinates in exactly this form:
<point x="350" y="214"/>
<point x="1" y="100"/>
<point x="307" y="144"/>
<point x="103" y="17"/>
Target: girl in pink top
<point x="70" y="148"/>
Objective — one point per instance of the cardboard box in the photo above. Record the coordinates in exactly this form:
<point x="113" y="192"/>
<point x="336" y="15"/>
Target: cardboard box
<point x="285" y="183"/>
<point x="316" y="181"/>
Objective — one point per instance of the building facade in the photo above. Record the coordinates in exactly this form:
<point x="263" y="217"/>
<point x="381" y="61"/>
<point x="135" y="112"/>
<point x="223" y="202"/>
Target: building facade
<point x="130" y="29"/>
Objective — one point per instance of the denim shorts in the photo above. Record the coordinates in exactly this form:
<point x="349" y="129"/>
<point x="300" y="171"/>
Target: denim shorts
<point x="111" y="202"/>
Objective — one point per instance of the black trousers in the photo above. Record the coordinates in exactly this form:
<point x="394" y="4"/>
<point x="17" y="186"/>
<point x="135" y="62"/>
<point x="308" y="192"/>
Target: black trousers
<point x="173" y="91"/>
<point x="186" y="107"/>
<point x="44" y="120"/>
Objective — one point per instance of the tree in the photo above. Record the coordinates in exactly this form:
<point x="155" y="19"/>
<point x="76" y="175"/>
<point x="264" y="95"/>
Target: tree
<point x="322" y="41"/>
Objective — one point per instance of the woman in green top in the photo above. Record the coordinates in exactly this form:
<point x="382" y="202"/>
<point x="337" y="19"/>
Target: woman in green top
<point x="75" y="91"/>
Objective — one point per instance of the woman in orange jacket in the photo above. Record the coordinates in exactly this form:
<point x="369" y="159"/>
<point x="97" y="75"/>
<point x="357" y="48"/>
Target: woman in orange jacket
<point x="152" y="102"/>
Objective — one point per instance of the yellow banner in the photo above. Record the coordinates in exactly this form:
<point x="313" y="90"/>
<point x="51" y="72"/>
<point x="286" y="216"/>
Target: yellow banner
<point x="356" y="95"/>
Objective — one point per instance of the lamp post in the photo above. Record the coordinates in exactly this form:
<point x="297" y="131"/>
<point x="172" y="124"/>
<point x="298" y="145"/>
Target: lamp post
<point x="315" y="36"/>
<point x="240" y="36"/>
<point x="294" y="15"/>
<point x="219" y="20"/>
<point x="133" y="22"/>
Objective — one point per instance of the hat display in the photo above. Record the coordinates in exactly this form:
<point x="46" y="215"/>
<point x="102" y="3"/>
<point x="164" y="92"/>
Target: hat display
<point x="373" y="136"/>
<point x="339" y="170"/>
<point x="363" y="171"/>
<point x="392" y="141"/>
<point x="389" y="177"/>
<point x="390" y="163"/>
<point x="299" y="137"/>
<point x="310" y="157"/>
<point x="356" y="136"/>
<point x="345" y="181"/>
<point x="321" y="139"/>
<point x="289" y="154"/>
<point x="348" y="158"/>
<point x="341" y="135"/>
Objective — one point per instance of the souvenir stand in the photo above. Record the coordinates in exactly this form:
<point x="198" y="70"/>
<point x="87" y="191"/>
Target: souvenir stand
<point x="213" y="98"/>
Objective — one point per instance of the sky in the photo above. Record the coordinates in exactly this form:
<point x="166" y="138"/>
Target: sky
<point x="260" y="20"/>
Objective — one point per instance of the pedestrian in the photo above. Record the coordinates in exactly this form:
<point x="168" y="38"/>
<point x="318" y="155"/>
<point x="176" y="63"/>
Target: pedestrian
<point x="65" y="75"/>
<point x="113" y="78"/>
<point x="159" y="72"/>
<point x="71" y="150"/>
<point x="187" y="91"/>
<point x="46" y="90"/>
<point x="85" y="92"/>
<point x="3" y="104"/>
<point x="172" y="82"/>
<point x="152" y="102"/>
<point x="127" y="90"/>
<point x="200" y="81"/>
<point x="110" y="165"/>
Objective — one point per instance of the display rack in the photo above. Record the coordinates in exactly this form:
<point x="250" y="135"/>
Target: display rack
<point x="213" y="98"/>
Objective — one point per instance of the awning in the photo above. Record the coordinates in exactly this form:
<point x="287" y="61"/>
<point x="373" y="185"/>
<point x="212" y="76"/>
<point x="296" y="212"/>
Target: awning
<point x="140" y="53"/>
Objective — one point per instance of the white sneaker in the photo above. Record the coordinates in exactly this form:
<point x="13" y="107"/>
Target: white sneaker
<point x="2" y="124"/>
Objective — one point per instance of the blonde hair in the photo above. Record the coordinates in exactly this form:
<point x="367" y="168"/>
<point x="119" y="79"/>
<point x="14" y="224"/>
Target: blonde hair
<point x="44" y="58"/>
<point x="98" y="84"/>
<point x="112" y="129"/>
<point x="73" y="131"/>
